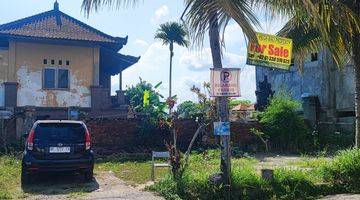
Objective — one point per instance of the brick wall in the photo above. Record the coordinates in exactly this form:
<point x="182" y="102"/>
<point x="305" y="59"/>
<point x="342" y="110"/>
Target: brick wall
<point x="123" y="135"/>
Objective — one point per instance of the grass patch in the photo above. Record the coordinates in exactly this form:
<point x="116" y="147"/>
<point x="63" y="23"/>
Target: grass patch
<point x="10" y="168"/>
<point x="132" y="170"/>
<point x="344" y="170"/>
<point x="307" y="178"/>
<point x="307" y="162"/>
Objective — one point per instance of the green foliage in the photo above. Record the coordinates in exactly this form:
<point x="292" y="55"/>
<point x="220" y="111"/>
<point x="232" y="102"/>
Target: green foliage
<point x="188" y="110"/>
<point x="9" y="177"/>
<point x="246" y="184"/>
<point x="344" y="170"/>
<point x="235" y="102"/>
<point x="294" y="184"/>
<point x="152" y="112"/>
<point x="173" y="32"/>
<point x="334" y="141"/>
<point x="166" y="188"/>
<point x="286" y="129"/>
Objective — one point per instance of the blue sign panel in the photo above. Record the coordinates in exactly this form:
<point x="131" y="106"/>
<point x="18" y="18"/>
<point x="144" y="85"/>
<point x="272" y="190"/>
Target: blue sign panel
<point x="221" y="128"/>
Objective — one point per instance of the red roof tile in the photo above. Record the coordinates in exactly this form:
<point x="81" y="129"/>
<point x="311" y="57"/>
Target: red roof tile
<point x="55" y="24"/>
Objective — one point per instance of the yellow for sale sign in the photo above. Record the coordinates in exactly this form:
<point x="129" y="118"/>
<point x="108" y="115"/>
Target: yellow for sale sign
<point x="271" y="51"/>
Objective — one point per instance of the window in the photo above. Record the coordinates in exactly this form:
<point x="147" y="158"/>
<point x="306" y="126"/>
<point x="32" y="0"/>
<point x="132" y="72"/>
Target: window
<point x="63" y="78"/>
<point x="56" y="78"/>
<point x="49" y="78"/>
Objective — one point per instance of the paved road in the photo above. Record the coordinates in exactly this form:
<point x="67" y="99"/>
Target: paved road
<point x="105" y="186"/>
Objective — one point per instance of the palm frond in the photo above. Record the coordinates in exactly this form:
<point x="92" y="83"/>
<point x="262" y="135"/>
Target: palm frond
<point x="201" y="12"/>
<point x="94" y="5"/>
<point x="173" y="32"/>
<point x="316" y="24"/>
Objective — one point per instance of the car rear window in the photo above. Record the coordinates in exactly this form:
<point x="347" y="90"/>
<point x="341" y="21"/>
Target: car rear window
<point x="60" y="132"/>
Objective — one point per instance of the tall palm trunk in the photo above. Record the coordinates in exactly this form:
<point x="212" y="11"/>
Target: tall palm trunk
<point x="356" y="58"/>
<point x="170" y="73"/>
<point x="356" y="55"/>
<point x="172" y="130"/>
<point x="222" y="102"/>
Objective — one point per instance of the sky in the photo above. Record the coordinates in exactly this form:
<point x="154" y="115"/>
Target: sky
<point x="190" y="66"/>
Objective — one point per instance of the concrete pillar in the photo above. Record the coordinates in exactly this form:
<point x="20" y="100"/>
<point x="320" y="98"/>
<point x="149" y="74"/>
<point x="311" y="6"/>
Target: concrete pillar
<point x="100" y="98"/>
<point x="29" y="118"/>
<point x="10" y="94"/>
<point x="19" y="128"/>
<point x="96" y="66"/>
<point x="11" y="70"/>
<point x="120" y="81"/>
<point x="311" y="107"/>
<point x="120" y="97"/>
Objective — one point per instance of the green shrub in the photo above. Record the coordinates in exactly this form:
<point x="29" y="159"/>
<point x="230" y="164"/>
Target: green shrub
<point x="285" y="128"/>
<point x="344" y="170"/>
<point x="9" y="176"/>
<point x="294" y="184"/>
<point x="246" y="184"/>
<point x="166" y="188"/>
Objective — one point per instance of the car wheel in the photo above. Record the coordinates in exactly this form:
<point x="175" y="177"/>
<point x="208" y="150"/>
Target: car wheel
<point x="89" y="175"/>
<point x="25" y="177"/>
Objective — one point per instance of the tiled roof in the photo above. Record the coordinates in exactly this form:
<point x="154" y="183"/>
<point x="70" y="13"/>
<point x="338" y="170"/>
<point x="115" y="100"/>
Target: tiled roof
<point x="243" y="107"/>
<point x="55" y="24"/>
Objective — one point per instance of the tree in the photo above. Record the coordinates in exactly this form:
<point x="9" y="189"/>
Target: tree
<point x="171" y="33"/>
<point x="213" y="16"/>
<point x="315" y="24"/>
<point x="188" y="110"/>
<point x="156" y="108"/>
<point x="204" y="16"/>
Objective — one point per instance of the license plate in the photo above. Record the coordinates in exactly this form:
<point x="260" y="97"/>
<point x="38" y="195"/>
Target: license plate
<point x="59" y="150"/>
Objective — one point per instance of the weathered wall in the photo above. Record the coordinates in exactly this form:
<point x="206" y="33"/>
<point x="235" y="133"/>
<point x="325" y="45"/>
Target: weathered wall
<point x="123" y="135"/>
<point x="4" y="60"/>
<point x="29" y="68"/>
<point x="321" y="78"/>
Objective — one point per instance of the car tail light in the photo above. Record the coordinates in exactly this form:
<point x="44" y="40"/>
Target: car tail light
<point x="30" y="140"/>
<point x="87" y="140"/>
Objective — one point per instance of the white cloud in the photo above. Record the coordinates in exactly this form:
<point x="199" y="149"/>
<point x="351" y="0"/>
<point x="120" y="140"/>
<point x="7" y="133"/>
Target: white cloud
<point x="160" y="14"/>
<point x="141" y="42"/>
<point x="189" y="68"/>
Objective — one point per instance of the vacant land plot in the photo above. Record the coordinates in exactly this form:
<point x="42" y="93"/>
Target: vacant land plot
<point x="120" y="177"/>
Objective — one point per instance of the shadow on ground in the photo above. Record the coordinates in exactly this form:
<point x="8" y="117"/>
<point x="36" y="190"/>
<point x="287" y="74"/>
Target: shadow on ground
<point x="60" y="184"/>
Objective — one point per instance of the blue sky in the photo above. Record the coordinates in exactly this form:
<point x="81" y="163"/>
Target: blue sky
<point x="190" y="67"/>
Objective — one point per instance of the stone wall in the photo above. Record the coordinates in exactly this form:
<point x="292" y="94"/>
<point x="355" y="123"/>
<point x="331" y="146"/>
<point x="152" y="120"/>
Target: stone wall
<point x="321" y="78"/>
<point x="123" y="135"/>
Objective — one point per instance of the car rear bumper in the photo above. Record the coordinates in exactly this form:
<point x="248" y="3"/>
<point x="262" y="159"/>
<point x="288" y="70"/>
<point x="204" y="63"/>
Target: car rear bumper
<point x="33" y="165"/>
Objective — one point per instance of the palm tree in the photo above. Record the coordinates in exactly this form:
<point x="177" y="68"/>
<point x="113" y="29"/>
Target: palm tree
<point x="202" y="16"/>
<point x="334" y="25"/>
<point x="171" y="33"/>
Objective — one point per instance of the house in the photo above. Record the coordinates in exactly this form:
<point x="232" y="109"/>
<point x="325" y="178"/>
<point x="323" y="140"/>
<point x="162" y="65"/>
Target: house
<point x="326" y="93"/>
<point x="52" y="61"/>
<point x="242" y="112"/>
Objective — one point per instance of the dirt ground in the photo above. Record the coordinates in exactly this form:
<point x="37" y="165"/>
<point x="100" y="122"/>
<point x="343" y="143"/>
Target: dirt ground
<point x="104" y="186"/>
<point x="107" y="186"/>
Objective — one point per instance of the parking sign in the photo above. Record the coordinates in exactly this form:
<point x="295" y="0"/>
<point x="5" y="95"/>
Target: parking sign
<point x="225" y="82"/>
